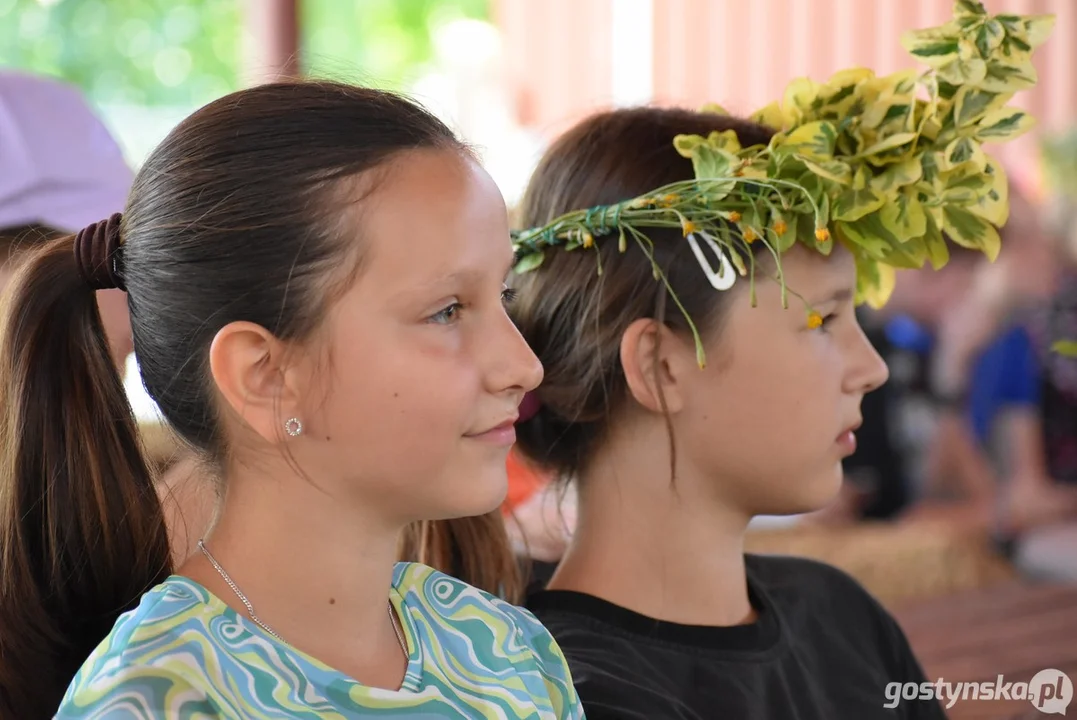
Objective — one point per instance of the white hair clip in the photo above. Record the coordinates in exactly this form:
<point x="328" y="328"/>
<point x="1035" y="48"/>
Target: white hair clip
<point x="722" y="280"/>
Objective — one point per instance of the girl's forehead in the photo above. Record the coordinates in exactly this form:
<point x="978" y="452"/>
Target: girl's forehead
<point x="435" y="216"/>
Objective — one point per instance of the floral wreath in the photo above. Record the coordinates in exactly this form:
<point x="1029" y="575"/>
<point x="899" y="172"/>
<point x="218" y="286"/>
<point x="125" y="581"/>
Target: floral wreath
<point x="887" y="166"/>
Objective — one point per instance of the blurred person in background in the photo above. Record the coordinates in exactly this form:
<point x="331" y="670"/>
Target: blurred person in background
<point x="60" y="170"/>
<point x="883" y="478"/>
<point x="1005" y="438"/>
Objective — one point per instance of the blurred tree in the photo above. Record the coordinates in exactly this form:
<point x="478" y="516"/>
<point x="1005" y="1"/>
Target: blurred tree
<point x="184" y="53"/>
<point x="127" y="52"/>
<point x="146" y="64"/>
<point x="384" y="43"/>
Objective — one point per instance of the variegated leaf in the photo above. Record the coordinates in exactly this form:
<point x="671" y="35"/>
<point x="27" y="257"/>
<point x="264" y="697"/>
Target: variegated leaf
<point x="1004" y="124"/>
<point x="875" y="281"/>
<point x="889" y="143"/>
<point x="725" y="140"/>
<point x="910" y="255"/>
<point x="904" y="217"/>
<point x="972" y="103"/>
<point x="870" y="234"/>
<point x="714" y="109"/>
<point x="799" y="96"/>
<point x="969" y="8"/>
<point x="935" y="244"/>
<point x="686" y="144"/>
<point x="1038" y="28"/>
<point x="814" y="140"/>
<point x="935" y="47"/>
<point x="993" y="205"/>
<point x="967" y="68"/>
<point x="963" y="150"/>
<point x="969" y="230"/>
<point x="835" y="170"/>
<point x="898" y="174"/>
<point x="989" y="37"/>
<point x="773" y="116"/>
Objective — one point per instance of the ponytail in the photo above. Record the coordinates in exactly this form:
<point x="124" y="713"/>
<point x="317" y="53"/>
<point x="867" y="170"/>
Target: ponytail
<point x="82" y="535"/>
<point x="473" y="549"/>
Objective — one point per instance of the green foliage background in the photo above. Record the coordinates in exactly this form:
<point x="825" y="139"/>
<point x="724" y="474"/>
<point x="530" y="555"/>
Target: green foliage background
<point x="185" y="53"/>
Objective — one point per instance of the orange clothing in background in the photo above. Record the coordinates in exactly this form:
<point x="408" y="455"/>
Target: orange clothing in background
<point x="524" y="481"/>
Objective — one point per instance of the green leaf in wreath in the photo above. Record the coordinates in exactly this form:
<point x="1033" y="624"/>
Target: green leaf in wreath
<point x="993" y="205"/>
<point x="904" y="217"/>
<point x="773" y="116"/>
<point x="799" y="97"/>
<point x="961" y="151"/>
<point x="1003" y="124"/>
<point x="889" y="143"/>
<point x="989" y="37"/>
<point x="712" y="164"/>
<point x="934" y="47"/>
<point x="814" y="141"/>
<point x="857" y="201"/>
<point x="909" y="255"/>
<point x="783" y="233"/>
<point x="971" y="103"/>
<point x="971" y="231"/>
<point x="967" y="68"/>
<point x="898" y="175"/>
<point x="835" y="170"/>
<point x="685" y="145"/>
<point x="529" y="262"/>
<point x="935" y="244"/>
<point x="1009" y="76"/>
<point x="969" y="9"/>
<point x="874" y="281"/>
<point x="869" y="233"/>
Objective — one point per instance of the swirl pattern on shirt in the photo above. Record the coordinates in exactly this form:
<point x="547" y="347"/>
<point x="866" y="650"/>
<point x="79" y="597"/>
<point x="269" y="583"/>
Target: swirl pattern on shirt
<point x="183" y="653"/>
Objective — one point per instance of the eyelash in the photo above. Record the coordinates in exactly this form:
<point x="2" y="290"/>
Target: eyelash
<point x="827" y="320"/>
<point x="448" y="314"/>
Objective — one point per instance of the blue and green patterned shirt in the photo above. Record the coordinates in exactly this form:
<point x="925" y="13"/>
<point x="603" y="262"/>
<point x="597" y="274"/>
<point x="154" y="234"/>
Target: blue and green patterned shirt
<point x="183" y="653"/>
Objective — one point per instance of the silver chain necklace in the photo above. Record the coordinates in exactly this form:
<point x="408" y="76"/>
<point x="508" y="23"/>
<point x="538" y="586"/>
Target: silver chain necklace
<point x="254" y="618"/>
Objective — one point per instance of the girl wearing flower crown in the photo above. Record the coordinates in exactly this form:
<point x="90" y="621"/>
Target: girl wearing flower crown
<point x="689" y="281"/>
<point x="347" y="366"/>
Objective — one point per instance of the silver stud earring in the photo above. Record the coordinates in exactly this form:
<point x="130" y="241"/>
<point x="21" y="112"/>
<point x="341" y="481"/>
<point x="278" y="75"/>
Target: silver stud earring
<point x="293" y="427"/>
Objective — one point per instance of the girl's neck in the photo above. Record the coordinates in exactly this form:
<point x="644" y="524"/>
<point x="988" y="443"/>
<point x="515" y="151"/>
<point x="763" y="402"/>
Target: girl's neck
<point x="314" y="571"/>
<point x="662" y="552"/>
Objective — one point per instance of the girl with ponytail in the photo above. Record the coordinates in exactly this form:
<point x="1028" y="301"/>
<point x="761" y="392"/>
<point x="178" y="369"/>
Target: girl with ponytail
<point x="315" y="276"/>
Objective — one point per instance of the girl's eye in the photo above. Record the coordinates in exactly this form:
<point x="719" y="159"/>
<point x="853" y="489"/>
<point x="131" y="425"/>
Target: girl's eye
<point x="827" y="320"/>
<point x="447" y="315"/>
<point x="508" y="295"/>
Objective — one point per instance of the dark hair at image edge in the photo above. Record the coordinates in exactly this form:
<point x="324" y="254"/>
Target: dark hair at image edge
<point x="574" y="318"/>
<point x="234" y="217"/>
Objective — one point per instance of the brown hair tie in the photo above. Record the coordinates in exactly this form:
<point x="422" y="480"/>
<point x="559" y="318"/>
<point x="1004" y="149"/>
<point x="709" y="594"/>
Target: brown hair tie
<point x="99" y="255"/>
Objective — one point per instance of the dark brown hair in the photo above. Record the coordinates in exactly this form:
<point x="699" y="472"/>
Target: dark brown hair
<point x="574" y="318"/>
<point x="15" y="241"/>
<point x="233" y="217"/>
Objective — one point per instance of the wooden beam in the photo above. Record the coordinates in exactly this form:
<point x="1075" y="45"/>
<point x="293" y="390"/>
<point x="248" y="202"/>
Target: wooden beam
<point x="270" y="40"/>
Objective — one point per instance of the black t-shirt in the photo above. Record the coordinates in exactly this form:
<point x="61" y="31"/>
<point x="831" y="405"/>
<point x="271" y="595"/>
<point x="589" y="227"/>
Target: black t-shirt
<point x="820" y="648"/>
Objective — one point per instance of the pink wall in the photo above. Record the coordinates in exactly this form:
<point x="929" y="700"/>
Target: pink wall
<point x="741" y="53"/>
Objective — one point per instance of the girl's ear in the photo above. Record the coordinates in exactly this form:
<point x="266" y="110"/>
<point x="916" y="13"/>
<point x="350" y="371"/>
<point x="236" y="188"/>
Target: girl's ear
<point x="653" y="359"/>
<point x="248" y="366"/>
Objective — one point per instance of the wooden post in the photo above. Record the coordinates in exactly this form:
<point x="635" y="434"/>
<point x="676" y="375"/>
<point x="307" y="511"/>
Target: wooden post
<point x="270" y="40"/>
